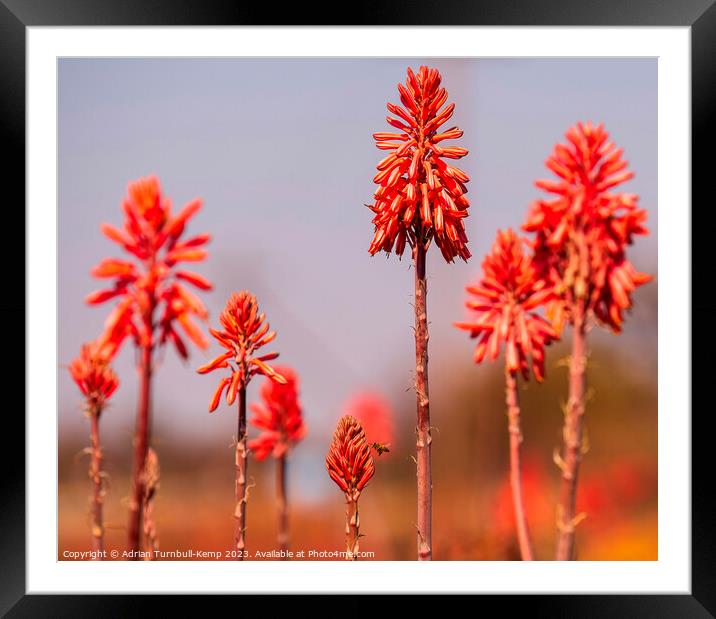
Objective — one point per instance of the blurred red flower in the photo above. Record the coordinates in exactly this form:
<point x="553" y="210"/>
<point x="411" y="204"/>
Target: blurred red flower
<point x="375" y="414"/>
<point x="279" y="416"/>
<point x="349" y="461"/>
<point x="582" y="233"/>
<point x="152" y="235"/>
<point x="94" y="376"/>
<point x="505" y="301"/>
<point x="537" y="495"/>
<point x="607" y="495"/>
<point x="245" y="331"/>
<point x="420" y="196"/>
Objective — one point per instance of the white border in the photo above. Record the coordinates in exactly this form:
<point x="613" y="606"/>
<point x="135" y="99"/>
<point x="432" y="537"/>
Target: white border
<point x="671" y="573"/>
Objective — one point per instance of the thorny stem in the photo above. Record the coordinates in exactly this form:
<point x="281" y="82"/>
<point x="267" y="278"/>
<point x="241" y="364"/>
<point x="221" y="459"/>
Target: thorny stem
<point x="572" y="437"/>
<point x="95" y="474"/>
<point x="151" y="485"/>
<point x="513" y="416"/>
<point x="352" y="528"/>
<point x="141" y="445"/>
<point x="241" y="478"/>
<point x="424" y="439"/>
<point x="282" y="504"/>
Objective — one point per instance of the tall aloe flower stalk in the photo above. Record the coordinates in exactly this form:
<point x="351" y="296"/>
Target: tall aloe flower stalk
<point x="245" y="331"/>
<point x="504" y="302"/>
<point x="350" y="464"/>
<point x="581" y="235"/>
<point x="280" y="418"/>
<point x="97" y="382"/>
<point x="153" y="303"/>
<point x="421" y="198"/>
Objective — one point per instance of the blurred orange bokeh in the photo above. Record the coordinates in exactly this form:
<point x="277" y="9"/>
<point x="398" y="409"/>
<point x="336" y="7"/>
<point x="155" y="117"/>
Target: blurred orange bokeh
<point x="473" y="516"/>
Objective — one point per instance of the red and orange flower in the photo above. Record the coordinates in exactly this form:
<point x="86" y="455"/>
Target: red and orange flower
<point x="245" y="332"/>
<point x="349" y="461"/>
<point x="94" y="376"/>
<point x="279" y="416"/>
<point x="152" y="235"/>
<point x="582" y="233"/>
<point x="420" y="196"/>
<point x="505" y="300"/>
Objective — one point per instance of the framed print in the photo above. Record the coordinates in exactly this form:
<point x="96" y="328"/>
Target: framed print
<point x="397" y="306"/>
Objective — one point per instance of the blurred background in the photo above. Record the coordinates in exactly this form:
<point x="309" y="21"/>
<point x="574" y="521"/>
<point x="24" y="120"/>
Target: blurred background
<point x="280" y="150"/>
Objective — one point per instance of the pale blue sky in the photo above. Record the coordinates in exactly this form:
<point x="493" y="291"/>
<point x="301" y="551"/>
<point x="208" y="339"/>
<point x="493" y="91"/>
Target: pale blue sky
<point x="281" y="152"/>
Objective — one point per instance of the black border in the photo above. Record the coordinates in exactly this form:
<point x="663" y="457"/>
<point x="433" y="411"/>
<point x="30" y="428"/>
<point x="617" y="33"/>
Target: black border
<point x="700" y="15"/>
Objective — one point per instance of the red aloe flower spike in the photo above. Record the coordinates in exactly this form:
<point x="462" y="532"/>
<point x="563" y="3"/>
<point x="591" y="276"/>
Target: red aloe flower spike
<point x="97" y="382"/>
<point x="350" y="464"/>
<point x="94" y="377"/>
<point x="280" y="418"/>
<point x="421" y="197"/>
<point x="581" y="235"/>
<point x="145" y="287"/>
<point x="245" y="332"/>
<point x="504" y="302"/>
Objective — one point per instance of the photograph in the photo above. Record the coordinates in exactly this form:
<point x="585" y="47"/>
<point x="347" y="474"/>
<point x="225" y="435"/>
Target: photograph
<point x="411" y="305"/>
<point x="340" y="308"/>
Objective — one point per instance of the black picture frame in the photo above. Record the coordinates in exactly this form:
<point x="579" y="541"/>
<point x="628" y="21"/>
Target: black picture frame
<point x="699" y="15"/>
